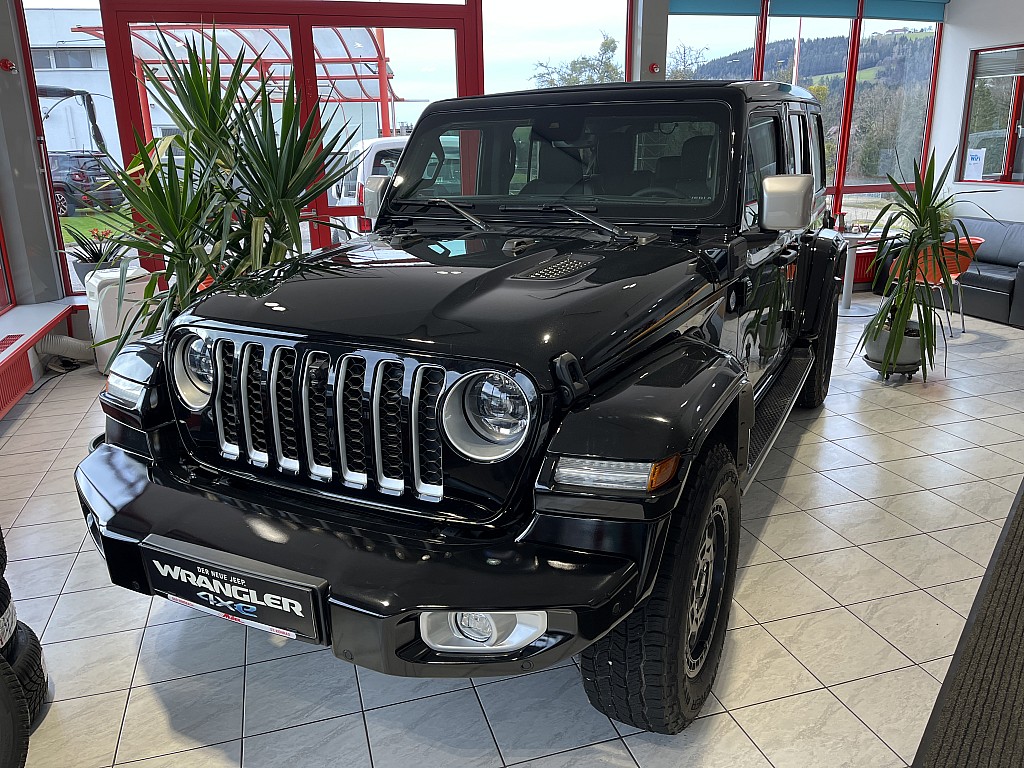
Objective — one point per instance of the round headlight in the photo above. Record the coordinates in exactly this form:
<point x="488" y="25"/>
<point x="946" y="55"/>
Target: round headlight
<point x="486" y="416"/>
<point x="496" y="408"/>
<point x="193" y="371"/>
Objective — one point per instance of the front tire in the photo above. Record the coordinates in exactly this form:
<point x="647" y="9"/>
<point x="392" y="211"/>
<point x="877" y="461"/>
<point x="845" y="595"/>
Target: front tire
<point x="655" y="669"/>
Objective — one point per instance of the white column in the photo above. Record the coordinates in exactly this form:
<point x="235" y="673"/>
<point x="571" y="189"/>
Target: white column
<point x="650" y="39"/>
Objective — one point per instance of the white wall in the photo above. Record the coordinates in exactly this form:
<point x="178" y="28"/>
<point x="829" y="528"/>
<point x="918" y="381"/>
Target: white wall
<point x="972" y="24"/>
<point x="67" y="126"/>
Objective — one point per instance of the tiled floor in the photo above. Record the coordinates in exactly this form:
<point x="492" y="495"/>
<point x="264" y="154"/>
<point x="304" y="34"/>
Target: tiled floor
<point x="863" y="545"/>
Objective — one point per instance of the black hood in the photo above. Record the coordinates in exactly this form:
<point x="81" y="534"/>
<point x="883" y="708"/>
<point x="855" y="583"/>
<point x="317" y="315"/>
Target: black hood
<point x="515" y="300"/>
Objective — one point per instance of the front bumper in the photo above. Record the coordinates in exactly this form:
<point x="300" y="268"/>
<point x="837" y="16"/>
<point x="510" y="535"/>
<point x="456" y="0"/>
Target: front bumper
<point x="376" y="578"/>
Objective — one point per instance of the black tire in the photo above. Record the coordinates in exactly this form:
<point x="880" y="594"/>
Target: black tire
<point x="3" y="555"/>
<point x="8" y="620"/>
<point x="64" y="203"/>
<point x="27" y="663"/>
<point x="816" y="387"/>
<point x="14" y="719"/>
<point x="655" y="669"/>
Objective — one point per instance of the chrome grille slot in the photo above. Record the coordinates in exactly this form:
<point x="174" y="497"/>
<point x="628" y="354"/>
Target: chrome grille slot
<point x="387" y="426"/>
<point x="226" y="409"/>
<point x="315" y="422"/>
<point x="282" y="408"/>
<point x="426" y="444"/>
<point x="349" y="408"/>
<point x="253" y="412"/>
<point x="366" y="421"/>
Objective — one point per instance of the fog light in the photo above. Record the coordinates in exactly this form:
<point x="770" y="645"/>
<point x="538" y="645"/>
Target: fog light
<point x="481" y="631"/>
<point x="478" y="627"/>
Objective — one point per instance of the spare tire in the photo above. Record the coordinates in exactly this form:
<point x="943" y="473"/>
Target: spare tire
<point x="27" y="662"/>
<point x="8" y="619"/>
<point x="14" y="719"/>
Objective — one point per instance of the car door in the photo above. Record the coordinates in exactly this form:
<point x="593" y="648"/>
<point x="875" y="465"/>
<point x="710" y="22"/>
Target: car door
<point x="765" y="317"/>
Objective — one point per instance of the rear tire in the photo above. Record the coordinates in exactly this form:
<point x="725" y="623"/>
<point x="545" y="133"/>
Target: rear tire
<point x="14" y="719"/>
<point x="816" y="387"/>
<point x="63" y="202"/>
<point x="655" y="669"/>
<point x="27" y="662"/>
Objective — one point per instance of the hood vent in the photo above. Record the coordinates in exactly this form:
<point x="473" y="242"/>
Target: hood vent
<point x="559" y="269"/>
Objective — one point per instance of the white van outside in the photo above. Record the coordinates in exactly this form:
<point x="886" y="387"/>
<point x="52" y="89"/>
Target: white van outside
<point x="377" y="157"/>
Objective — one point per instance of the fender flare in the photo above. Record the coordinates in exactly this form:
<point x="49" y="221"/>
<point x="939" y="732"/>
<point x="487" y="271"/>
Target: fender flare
<point x="666" y="403"/>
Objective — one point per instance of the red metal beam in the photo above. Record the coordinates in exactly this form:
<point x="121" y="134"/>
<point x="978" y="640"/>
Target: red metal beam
<point x="761" y="43"/>
<point x="852" y="60"/>
<point x="931" y="94"/>
<point x="383" y="89"/>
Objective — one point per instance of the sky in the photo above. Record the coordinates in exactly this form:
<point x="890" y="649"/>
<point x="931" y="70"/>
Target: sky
<point x="521" y="33"/>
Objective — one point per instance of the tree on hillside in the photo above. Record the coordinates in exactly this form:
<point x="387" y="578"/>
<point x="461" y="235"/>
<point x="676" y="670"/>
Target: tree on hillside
<point x="600" y="68"/>
<point x="685" y="61"/>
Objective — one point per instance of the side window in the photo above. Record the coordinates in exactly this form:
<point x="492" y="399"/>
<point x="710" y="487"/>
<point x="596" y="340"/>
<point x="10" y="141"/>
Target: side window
<point x="762" y="160"/>
<point x="451" y="168"/>
<point x="817" y="146"/>
<point x="801" y="150"/>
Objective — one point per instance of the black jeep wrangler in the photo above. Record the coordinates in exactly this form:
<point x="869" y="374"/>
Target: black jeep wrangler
<point x="514" y="423"/>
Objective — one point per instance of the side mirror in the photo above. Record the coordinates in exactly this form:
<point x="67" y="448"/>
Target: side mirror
<point x="786" y="202"/>
<point x="373" y="194"/>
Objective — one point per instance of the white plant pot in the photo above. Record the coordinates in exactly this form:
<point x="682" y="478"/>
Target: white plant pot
<point x="910" y="350"/>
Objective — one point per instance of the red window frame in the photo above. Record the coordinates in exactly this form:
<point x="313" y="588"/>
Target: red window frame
<point x="1013" y="140"/>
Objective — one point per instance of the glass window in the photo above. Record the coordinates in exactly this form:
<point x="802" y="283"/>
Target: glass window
<point x="41" y="59"/>
<point x="762" y="160"/>
<point x="994" y="150"/>
<point x="801" y="149"/>
<point x="710" y="47"/>
<point x="890" y="105"/>
<point x="531" y="43"/>
<point x="651" y="160"/>
<point x="812" y="52"/>
<point x="357" y="97"/>
<point x="817" y="152"/>
<point x="71" y="58"/>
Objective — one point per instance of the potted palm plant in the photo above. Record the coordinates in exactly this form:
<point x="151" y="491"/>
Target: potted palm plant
<point x="224" y="196"/>
<point x="101" y="249"/>
<point x="902" y="336"/>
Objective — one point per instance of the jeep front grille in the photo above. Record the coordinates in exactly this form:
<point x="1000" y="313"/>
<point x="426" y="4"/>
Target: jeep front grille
<point x="342" y="420"/>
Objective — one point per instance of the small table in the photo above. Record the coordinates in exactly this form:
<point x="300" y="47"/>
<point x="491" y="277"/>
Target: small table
<point x="846" y="308"/>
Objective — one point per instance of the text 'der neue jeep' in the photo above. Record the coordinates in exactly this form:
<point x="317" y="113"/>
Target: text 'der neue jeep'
<point x="513" y="423"/>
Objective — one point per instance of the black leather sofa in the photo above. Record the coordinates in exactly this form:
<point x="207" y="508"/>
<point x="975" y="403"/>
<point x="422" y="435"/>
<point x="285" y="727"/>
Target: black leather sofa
<point x="993" y="286"/>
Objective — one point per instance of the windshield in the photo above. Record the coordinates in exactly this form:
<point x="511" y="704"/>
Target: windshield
<point x="636" y="161"/>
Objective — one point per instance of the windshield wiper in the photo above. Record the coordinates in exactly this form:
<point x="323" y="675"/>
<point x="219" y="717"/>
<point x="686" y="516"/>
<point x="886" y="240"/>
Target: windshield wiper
<point x="476" y="222"/>
<point x="616" y="231"/>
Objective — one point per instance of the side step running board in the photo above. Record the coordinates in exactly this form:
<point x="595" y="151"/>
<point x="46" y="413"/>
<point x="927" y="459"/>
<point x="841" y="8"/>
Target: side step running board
<point x="772" y="410"/>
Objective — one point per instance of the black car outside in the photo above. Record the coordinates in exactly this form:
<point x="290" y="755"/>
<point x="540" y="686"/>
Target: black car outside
<point x="79" y="181"/>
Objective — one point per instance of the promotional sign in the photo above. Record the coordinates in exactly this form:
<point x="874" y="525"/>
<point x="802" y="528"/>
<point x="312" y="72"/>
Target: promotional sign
<point x="974" y="168"/>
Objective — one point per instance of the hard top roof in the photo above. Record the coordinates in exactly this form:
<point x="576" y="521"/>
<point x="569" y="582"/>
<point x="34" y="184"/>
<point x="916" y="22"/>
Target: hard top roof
<point x="748" y="90"/>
